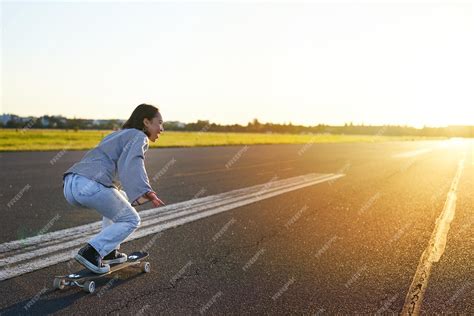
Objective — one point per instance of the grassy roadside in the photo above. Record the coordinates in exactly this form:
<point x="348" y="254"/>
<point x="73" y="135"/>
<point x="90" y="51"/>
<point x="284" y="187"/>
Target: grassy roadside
<point x="42" y="140"/>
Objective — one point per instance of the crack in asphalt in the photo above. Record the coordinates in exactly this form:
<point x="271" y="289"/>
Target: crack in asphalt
<point x="132" y="300"/>
<point x="184" y="276"/>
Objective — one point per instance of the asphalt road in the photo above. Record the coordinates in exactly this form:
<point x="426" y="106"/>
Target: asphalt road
<point x="351" y="245"/>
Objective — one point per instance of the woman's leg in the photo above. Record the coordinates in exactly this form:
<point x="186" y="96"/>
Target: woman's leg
<point x="67" y="190"/>
<point x="107" y="221"/>
<point x="111" y="204"/>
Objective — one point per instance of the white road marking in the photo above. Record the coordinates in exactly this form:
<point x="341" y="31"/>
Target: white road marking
<point x="23" y="256"/>
<point x="414" y="153"/>
<point x="61" y="235"/>
<point x="434" y="250"/>
<point x="159" y="216"/>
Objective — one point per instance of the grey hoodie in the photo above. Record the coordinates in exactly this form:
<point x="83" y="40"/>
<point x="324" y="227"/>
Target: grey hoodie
<point x="119" y="156"/>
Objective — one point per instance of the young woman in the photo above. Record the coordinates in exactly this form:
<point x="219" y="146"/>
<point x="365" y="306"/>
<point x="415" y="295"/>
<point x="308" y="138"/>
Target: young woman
<point x="88" y="183"/>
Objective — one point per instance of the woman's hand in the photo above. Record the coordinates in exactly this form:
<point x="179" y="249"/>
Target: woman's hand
<point x="154" y="199"/>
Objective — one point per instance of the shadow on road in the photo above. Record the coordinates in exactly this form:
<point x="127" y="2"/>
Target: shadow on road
<point x="52" y="301"/>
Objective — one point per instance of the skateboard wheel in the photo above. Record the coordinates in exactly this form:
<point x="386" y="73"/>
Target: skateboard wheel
<point x="89" y="286"/>
<point x="58" y="283"/>
<point x="146" y="267"/>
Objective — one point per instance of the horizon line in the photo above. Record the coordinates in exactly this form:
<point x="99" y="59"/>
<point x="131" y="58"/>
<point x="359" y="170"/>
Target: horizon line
<point x="261" y="122"/>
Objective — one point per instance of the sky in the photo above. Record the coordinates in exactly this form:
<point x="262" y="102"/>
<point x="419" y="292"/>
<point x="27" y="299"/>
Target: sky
<point x="371" y="62"/>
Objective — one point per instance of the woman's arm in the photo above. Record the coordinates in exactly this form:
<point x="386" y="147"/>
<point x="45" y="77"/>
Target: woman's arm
<point x="132" y="173"/>
<point x="149" y="196"/>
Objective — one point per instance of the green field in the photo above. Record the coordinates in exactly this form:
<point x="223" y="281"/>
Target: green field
<point x="36" y="139"/>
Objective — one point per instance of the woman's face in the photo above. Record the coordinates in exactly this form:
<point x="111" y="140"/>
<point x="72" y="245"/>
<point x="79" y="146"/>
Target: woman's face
<point x="154" y="126"/>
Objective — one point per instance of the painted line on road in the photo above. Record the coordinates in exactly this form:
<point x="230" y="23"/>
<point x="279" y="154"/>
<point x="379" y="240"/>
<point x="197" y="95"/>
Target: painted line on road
<point x="8" y="248"/>
<point x="158" y="216"/>
<point x="410" y="154"/>
<point x="62" y="247"/>
<point x="434" y="250"/>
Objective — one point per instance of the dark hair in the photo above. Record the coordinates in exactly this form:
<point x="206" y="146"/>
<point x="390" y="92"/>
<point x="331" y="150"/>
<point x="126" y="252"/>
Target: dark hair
<point x="138" y="115"/>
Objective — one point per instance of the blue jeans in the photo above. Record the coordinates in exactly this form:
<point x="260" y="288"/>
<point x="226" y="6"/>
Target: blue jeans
<point x="120" y="219"/>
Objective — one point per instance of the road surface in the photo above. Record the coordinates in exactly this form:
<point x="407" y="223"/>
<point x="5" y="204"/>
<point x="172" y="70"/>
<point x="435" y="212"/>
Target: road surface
<point x="265" y="229"/>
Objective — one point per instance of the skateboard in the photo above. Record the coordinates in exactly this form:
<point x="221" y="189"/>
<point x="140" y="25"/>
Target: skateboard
<point x="85" y="278"/>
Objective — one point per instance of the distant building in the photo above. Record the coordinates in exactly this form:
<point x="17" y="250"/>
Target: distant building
<point x="27" y="119"/>
<point x="61" y="119"/>
<point x="44" y="121"/>
<point x="99" y="122"/>
<point x="5" y="118"/>
<point x="177" y="124"/>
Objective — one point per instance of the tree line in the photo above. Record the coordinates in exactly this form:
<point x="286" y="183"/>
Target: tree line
<point x="255" y="126"/>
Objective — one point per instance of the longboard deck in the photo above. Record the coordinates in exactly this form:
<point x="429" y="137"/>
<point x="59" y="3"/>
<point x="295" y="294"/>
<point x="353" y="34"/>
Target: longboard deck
<point x="83" y="276"/>
<point x="133" y="258"/>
